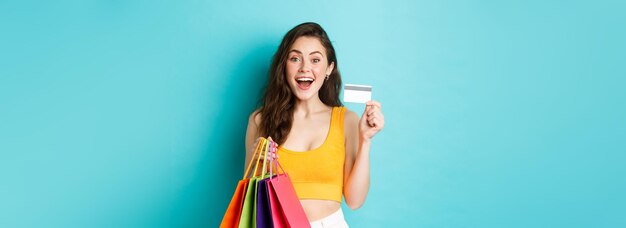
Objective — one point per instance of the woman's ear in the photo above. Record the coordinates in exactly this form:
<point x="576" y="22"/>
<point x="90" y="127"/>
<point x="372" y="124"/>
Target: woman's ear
<point x="330" y="68"/>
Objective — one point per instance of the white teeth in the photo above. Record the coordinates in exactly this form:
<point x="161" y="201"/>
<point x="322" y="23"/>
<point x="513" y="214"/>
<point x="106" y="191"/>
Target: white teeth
<point x="304" y="79"/>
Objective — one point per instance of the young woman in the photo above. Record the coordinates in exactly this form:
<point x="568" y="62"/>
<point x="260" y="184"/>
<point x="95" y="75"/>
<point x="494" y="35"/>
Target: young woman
<point x="323" y="146"/>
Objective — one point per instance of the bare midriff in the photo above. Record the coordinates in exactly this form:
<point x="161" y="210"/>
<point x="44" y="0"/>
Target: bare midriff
<point x="318" y="209"/>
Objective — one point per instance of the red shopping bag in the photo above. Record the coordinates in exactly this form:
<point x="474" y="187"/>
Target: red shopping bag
<point x="284" y="203"/>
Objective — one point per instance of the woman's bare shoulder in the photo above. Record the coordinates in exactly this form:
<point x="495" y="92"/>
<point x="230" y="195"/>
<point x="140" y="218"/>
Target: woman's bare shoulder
<point x="255" y="117"/>
<point x="350" y="126"/>
<point x="351" y="118"/>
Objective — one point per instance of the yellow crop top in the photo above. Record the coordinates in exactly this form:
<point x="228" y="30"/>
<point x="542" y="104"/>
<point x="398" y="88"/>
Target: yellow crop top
<point x="318" y="173"/>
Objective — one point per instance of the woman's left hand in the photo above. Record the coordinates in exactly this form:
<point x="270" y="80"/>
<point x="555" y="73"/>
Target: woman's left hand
<point x="372" y="120"/>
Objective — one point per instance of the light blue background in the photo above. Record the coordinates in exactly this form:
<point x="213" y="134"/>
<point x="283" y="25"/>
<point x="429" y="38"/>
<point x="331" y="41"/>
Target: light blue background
<point x="133" y="113"/>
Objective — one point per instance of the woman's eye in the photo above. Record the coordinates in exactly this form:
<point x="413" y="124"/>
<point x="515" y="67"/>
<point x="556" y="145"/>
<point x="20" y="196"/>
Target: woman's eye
<point x="294" y="59"/>
<point x="316" y="60"/>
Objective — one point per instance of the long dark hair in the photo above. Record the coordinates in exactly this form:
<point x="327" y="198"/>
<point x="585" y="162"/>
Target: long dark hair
<point x="278" y="100"/>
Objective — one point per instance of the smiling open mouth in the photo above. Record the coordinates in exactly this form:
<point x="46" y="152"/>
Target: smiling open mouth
<point x="304" y="83"/>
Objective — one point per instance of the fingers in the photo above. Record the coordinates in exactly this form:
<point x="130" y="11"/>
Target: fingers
<point x="373" y="114"/>
<point x="378" y="114"/>
<point x="262" y="138"/>
<point x="375" y="117"/>
<point x="373" y="109"/>
<point x="372" y="118"/>
<point x="258" y="140"/>
<point x="274" y="156"/>
<point x="374" y="104"/>
<point x="273" y="148"/>
<point x="366" y="113"/>
<point x="373" y="121"/>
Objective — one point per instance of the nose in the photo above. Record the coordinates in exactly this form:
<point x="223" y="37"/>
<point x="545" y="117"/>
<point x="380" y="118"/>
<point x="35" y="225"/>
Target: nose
<point x="304" y="67"/>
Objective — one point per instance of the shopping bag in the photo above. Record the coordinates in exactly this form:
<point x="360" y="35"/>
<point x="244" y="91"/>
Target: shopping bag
<point x="247" y="218"/>
<point x="231" y="218"/>
<point x="284" y="203"/>
<point x="235" y="209"/>
<point x="263" y="213"/>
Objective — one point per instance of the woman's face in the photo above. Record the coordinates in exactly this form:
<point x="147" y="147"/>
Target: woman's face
<point x="307" y="67"/>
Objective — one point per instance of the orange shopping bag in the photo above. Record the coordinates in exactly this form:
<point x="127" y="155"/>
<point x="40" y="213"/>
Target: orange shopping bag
<point x="233" y="212"/>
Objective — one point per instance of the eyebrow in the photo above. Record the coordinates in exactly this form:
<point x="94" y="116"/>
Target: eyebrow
<point x="299" y="52"/>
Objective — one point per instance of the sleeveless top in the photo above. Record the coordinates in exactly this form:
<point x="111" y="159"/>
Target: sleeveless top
<point x="318" y="173"/>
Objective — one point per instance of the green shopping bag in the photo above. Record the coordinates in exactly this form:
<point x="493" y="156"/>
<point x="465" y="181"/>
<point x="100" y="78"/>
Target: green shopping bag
<point x="248" y="217"/>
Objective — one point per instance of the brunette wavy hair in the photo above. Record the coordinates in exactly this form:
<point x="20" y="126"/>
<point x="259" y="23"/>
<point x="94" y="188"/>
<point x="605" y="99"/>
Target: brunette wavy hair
<point x="278" y="101"/>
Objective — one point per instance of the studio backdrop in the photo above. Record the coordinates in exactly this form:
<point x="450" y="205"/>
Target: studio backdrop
<point x="133" y="113"/>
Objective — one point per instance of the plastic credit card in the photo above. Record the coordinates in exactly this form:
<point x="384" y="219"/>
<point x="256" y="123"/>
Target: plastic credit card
<point x="357" y="93"/>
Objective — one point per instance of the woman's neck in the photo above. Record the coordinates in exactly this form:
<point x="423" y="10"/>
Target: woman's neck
<point x="311" y="106"/>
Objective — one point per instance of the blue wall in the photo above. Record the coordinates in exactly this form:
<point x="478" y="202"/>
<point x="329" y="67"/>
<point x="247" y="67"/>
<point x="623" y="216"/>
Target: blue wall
<point x="133" y="113"/>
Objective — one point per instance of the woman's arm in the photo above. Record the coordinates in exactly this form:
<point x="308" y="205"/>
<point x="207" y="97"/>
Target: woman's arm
<point x="359" y="133"/>
<point x="251" y="136"/>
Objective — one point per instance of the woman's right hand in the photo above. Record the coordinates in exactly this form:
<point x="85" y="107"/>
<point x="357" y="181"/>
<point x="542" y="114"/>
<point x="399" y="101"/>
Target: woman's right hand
<point x="272" y="148"/>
